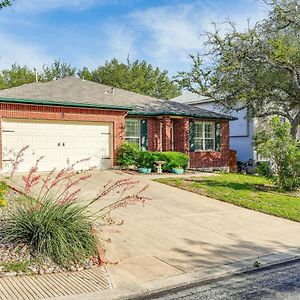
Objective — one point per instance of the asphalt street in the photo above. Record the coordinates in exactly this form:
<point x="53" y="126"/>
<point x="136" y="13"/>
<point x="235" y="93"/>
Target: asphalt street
<point x="278" y="282"/>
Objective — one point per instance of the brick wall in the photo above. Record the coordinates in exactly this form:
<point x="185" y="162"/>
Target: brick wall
<point x="39" y="112"/>
<point x="206" y="159"/>
<point x="153" y="126"/>
<point x="181" y="128"/>
<point x="166" y="134"/>
<point x="213" y="159"/>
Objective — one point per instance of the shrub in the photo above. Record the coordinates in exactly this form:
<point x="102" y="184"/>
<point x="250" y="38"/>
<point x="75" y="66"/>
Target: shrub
<point x="173" y="160"/>
<point x="61" y="232"/>
<point x="264" y="169"/>
<point x="131" y="155"/>
<point x="128" y="155"/>
<point x="145" y="159"/>
<point x="278" y="146"/>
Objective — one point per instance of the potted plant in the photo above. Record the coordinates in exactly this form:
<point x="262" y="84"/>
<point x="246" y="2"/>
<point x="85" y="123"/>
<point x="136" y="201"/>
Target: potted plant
<point x="145" y="162"/>
<point x="177" y="170"/>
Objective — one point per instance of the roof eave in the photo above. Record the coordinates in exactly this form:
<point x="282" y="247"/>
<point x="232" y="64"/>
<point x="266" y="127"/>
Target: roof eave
<point x="157" y="114"/>
<point x="64" y="104"/>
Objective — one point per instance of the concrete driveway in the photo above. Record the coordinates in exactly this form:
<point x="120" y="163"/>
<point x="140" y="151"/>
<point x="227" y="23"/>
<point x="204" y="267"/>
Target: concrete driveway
<point x="178" y="231"/>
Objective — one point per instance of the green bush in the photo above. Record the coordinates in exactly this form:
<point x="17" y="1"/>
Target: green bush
<point x="61" y="232"/>
<point x="145" y="159"/>
<point x="173" y="160"/>
<point x="128" y="155"/>
<point x="264" y="169"/>
<point x="278" y="146"/>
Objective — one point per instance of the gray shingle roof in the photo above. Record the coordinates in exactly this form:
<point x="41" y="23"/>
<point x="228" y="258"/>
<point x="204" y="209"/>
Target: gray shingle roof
<point x="191" y="98"/>
<point x="73" y="91"/>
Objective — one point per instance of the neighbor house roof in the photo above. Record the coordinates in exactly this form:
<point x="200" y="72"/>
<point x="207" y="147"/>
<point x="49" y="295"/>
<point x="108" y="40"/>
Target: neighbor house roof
<point x="77" y="92"/>
<point x="192" y="98"/>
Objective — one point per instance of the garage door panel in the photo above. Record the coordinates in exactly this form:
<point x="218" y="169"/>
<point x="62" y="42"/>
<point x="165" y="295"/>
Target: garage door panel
<point x="59" y="142"/>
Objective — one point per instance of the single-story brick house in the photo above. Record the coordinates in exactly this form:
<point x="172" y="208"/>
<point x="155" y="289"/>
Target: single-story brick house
<point x="69" y="119"/>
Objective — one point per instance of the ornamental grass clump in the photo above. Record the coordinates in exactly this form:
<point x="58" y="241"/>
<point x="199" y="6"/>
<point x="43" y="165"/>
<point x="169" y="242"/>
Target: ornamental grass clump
<point x="49" y="219"/>
<point x="61" y="232"/>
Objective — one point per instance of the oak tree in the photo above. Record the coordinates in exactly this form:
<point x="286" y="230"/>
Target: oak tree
<point x="257" y="69"/>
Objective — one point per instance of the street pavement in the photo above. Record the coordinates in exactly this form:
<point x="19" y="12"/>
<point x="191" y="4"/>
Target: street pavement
<point x="277" y="282"/>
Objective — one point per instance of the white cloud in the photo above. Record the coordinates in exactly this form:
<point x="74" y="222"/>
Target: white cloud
<point x="14" y="50"/>
<point x="172" y="32"/>
<point x="120" y="41"/>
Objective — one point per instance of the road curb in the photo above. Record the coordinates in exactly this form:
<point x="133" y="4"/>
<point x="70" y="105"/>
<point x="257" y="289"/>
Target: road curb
<point x="143" y="290"/>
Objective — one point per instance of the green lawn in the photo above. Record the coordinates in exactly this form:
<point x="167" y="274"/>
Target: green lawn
<point x="247" y="191"/>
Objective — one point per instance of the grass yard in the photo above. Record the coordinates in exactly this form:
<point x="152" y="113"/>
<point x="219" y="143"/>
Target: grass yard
<point x="253" y="192"/>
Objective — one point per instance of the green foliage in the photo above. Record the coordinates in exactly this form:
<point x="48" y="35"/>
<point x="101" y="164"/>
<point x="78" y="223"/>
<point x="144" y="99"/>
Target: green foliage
<point x="3" y="192"/>
<point x="17" y="266"/>
<point x="137" y="76"/>
<point x="283" y="151"/>
<point x="57" y="70"/>
<point x="264" y="169"/>
<point x="5" y="3"/>
<point x="59" y="231"/>
<point x="128" y="155"/>
<point x="145" y="159"/>
<point x="16" y="76"/>
<point x="173" y="160"/>
<point x="257" y="69"/>
<point x="249" y="191"/>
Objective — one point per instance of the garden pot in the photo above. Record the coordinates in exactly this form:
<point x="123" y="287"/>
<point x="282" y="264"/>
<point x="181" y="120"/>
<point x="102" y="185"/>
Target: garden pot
<point x="177" y="170"/>
<point x="145" y="170"/>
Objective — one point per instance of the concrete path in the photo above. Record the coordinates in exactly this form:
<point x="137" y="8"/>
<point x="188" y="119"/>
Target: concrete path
<point x="54" y="285"/>
<point x="178" y="231"/>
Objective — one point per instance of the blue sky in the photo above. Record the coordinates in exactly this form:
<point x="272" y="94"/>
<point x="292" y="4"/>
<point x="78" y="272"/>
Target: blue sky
<point x="88" y="32"/>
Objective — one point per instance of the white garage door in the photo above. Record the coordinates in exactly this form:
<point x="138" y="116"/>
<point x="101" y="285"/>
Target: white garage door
<point x="60" y="143"/>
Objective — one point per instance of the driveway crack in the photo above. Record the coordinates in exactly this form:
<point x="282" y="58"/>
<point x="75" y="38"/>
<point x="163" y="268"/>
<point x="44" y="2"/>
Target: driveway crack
<point x="181" y="270"/>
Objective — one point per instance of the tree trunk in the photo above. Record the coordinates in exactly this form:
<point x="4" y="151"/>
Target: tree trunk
<point x="295" y="126"/>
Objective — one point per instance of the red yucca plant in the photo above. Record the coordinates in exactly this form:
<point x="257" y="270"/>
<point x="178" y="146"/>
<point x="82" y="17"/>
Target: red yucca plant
<point x="52" y="222"/>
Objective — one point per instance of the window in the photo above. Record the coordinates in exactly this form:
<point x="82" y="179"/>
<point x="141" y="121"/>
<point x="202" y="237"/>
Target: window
<point x="133" y="131"/>
<point x="204" y="136"/>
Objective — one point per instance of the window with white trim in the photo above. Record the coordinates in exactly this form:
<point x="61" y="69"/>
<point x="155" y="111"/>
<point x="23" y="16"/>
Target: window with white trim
<point x="133" y="131"/>
<point x="204" y="136"/>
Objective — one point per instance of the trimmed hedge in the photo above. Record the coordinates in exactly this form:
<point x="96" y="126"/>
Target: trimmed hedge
<point x="172" y="159"/>
<point x="131" y="155"/>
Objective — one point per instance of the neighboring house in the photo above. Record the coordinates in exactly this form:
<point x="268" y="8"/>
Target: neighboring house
<point x="70" y="119"/>
<point x="241" y="130"/>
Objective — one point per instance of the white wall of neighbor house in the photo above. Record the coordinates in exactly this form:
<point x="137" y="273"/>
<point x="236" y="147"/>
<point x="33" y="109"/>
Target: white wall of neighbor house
<point x="241" y="131"/>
